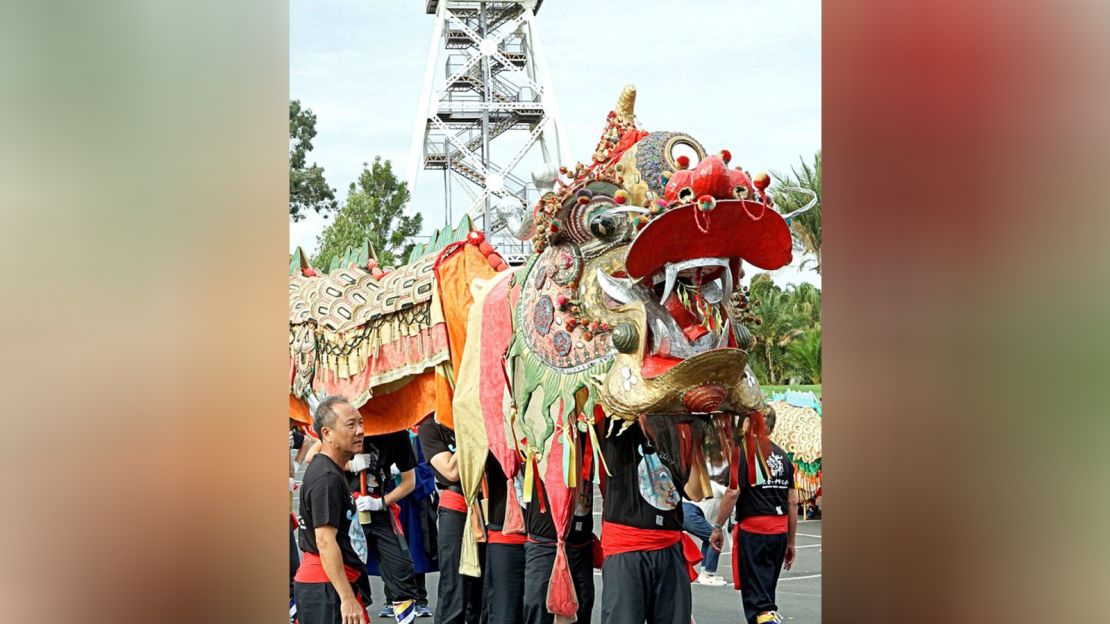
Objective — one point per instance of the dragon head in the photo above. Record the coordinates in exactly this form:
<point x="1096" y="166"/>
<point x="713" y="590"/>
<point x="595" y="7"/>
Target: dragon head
<point x="632" y="291"/>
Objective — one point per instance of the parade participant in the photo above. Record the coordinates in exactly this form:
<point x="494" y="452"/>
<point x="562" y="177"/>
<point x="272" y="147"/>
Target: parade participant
<point x="504" y="570"/>
<point x="539" y="554"/>
<point x="384" y="536"/>
<point x="334" y="545"/>
<point x="459" y="599"/>
<point x="763" y="540"/>
<point x="417" y="518"/>
<point x="647" y="571"/>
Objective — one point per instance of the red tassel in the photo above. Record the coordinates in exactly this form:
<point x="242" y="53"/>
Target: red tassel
<point x="514" y="519"/>
<point x="538" y="484"/>
<point x="561" y="597"/>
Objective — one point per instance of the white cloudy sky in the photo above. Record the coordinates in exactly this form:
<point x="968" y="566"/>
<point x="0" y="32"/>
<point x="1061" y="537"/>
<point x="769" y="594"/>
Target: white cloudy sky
<point x="738" y="74"/>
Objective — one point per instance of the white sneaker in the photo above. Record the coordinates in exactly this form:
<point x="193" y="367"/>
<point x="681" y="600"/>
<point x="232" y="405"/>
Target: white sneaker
<point x="711" y="580"/>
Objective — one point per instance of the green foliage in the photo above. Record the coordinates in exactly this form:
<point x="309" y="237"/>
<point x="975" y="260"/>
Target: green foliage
<point x="806" y="227"/>
<point x="308" y="190"/>
<point x="803" y="355"/>
<point x="787" y="346"/>
<point x="373" y="213"/>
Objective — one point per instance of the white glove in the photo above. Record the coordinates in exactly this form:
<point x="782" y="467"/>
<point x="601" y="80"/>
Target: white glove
<point x="358" y="463"/>
<point x="368" y="503"/>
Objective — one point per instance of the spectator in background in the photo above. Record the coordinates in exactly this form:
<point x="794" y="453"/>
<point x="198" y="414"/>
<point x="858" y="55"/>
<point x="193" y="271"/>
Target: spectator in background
<point x="694" y="522"/>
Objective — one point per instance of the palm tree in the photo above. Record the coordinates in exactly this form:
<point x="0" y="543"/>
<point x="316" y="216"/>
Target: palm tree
<point x="787" y="337"/>
<point x="806" y="227"/>
<point x="778" y="324"/>
<point x="803" y="356"/>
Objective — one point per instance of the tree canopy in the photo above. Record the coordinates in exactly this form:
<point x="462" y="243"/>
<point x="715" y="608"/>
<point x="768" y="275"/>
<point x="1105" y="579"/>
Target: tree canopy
<point x="308" y="190"/>
<point x="787" y="332"/>
<point x="374" y="212"/>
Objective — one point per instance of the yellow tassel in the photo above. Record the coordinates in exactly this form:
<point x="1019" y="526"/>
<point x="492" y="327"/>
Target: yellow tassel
<point x="572" y="481"/>
<point x="528" y="475"/>
<point x="468" y="560"/>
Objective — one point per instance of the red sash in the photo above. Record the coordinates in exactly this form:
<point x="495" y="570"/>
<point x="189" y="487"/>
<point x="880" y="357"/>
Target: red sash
<point x="312" y="570"/>
<point x="493" y="536"/>
<point x="450" y="499"/>
<point x="620" y="538"/>
<point x="762" y="525"/>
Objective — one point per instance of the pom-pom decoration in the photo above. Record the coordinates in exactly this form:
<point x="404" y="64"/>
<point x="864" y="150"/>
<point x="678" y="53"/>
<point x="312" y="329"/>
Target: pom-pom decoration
<point x="706" y="203"/>
<point x="621" y="197"/>
<point x="683" y="161"/>
<point x="475" y="238"/>
<point x="762" y="181"/>
<point x="726" y="156"/>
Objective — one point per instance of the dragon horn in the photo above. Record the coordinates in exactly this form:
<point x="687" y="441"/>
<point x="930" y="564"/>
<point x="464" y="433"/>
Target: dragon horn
<point x="626" y="103"/>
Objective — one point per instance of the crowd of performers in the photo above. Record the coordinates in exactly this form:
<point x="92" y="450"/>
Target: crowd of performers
<point x="391" y="505"/>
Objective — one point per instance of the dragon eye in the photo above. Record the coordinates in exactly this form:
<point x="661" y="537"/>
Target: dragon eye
<point x="603" y="226"/>
<point x="686" y="194"/>
<point x="740" y="192"/>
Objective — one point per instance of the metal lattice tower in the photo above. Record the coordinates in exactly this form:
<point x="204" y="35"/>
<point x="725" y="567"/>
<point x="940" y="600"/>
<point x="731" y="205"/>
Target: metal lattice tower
<point x="486" y="83"/>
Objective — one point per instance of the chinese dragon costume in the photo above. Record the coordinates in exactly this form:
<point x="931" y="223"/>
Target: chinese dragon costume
<point x="628" y="310"/>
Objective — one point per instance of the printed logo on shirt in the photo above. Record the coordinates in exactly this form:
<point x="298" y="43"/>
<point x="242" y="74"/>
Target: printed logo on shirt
<point x="658" y="520"/>
<point x="578" y="526"/>
<point x="774" y="462"/>
<point x="656" y="484"/>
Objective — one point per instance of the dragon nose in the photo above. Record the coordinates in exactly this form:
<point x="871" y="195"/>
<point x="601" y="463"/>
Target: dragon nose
<point x="711" y="178"/>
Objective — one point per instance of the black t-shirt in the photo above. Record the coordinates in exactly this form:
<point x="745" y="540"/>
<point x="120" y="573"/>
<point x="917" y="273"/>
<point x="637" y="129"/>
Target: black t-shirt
<point x="326" y="500"/>
<point x="641" y="492"/>
<point x="541" y="524"/>
<point x="435" y="439"/>
<point x="771" y="498"/>
<point x="390" y="449"/>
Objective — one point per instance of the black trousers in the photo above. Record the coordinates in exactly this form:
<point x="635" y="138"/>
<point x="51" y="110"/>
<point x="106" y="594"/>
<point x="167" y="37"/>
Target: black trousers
<point x="761" y="559"/>
<point x="394" y="559"/>
<point x="503" y="577"/>
<point x="652" y="587"/>
<point x="539" y="559"/>
<point x="459" y="600"/>
<point x="318" y="603"/>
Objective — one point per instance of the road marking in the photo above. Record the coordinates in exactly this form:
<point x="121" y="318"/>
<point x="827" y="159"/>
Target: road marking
<point x="798" y="578"/>
<point x="809" y="535"/>
<point x="809" y="546"/>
